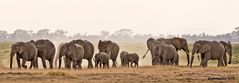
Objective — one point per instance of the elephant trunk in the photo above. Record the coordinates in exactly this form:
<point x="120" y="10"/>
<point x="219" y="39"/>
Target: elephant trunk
<point x="145" y="53"/>
<point x="191" y="63"/>
<point x="230" y="58"/>
<point x="11" y="57"/>
<point x="59" y="63"/>
<point x="193" y="52"/>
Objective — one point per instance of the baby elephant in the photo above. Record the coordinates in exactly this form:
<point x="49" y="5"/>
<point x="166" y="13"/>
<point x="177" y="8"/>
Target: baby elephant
<point x="127" y="58"/>
<point x="102" y="58"/>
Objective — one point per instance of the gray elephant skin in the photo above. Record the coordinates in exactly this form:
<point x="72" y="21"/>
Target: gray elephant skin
<point x="111" y="48"/>
<point x="26" y="51"/>
<point x="88" y="50"/>
<point x="102" y="58"/>
<point x="46" y="51"/>
<point x="209" y="50"/>
<point x="73" y="53"/>
<point x="129" y="58"/>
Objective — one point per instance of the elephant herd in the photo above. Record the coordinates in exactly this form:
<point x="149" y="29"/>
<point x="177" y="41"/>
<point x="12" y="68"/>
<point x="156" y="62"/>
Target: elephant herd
<point x="163" y="51"/>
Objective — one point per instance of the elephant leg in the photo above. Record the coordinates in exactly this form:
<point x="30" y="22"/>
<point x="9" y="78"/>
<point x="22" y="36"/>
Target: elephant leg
<point x="114" y="64"/>
<point x="51" y="63"/>
<point x="18" y="62"/>
<point x="131" y="64"/>
<point x="205" y="60"/>
<point x="90" y="65"/>
<point x="220" y="62"/>
<point x="67" y="63"/>
<point x="24" y="64"/>
<point x="79" y="64"/>
<point x="43" y="62"/>
<point x="108" y="66"/>
<point x="74" y="64"/>
<point x="202" y="57"/>
<point x="32" y="62"/>
<point x="225" y="59"/>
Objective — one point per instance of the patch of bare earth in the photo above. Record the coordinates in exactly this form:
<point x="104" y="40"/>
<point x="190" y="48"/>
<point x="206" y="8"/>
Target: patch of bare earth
<point x="147" y="74"/>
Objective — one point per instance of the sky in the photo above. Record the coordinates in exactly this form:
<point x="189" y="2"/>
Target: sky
<point x="142" y="16"/>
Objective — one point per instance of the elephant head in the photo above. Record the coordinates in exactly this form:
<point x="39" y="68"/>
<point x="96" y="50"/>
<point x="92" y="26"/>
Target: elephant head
<point x="105" y="46"/>
<point x="228" y="49"/>
<point x="200" y="47"/>
<point x="123" y="57"/>
<point x="16" y="48"/>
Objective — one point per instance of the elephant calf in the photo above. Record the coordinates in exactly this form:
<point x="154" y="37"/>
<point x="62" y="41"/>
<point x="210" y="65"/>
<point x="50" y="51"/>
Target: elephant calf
<point x="127" y="58"/>
<point x="102" y="58"/>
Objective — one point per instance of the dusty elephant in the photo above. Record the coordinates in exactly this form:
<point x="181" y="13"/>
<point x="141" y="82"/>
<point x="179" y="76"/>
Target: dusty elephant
<point x="228" y="49"/>
<point x="179" y="44"/>
<point x="111" y="48"/>
<point x="165" y="54"/>
<point x="102" y="58"/>
<point x="209" y="50"/>
<point x="26" y="51"/>
<point x="88" y="50"/>
<point x="151" y="43"/>
<point x="46" y="51"/>
<point x="129" y="58"/>
<point x="72" y="52"/>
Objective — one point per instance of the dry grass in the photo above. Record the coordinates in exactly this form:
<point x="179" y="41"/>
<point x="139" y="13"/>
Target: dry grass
<point x="122" y="75"/>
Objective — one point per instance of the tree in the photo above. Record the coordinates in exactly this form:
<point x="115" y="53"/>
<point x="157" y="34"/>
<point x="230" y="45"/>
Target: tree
<point x="20" y="35"/>
<point x="43" y="34"/>
<point x="3" y="35"/>
<point x="105" y="34"/>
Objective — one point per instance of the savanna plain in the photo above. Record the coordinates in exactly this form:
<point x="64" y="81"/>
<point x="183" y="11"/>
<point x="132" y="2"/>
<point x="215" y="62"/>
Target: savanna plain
<point x="144" y="73"/>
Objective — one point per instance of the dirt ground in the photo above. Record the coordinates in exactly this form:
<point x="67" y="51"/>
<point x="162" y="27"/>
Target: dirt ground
<point x="146" y="74"/>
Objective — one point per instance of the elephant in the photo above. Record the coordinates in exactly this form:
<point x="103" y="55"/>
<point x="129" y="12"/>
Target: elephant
<point x="165" y="54"/>
<point x="127" y="58"/>
<point x="209" y="50"/>
<point x="88" y="50"/>
<point x="26" y="51"/>
<point x="228" y="49"/>
<point x="111" y="48"/>
<point x="102" y="58"/>
<point x="72" y="52"/>
<point x="46" y="51"/>
<point x="123" y="57"/>
<point x="178" y="43"/>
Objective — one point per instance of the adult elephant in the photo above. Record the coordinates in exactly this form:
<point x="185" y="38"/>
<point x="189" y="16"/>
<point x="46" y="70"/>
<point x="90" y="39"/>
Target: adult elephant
<point x="179" y="44"/>
<point x="26" y="51"/>
<point x="111" y="48"/>
<point x="165" y="54"/>
<point x="209" y="50"/>
<point x="151" y="44"/>
<point x="46" y="51"/>
<point x="88" y="50"/>
<point x="228" y="49"/>
<point x="72" y="52"/>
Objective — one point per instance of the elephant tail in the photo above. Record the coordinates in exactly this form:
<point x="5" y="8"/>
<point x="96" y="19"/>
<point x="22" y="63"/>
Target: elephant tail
<point x="145" y="53"/>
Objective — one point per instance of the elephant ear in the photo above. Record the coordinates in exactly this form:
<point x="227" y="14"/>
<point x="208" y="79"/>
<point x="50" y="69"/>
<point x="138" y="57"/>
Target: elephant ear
<point x="205" y="48"/>
<point x="176" y="43"/>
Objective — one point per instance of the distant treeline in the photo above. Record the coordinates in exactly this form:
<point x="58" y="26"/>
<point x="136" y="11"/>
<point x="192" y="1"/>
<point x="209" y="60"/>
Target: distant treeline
<point x="122" y="35"/>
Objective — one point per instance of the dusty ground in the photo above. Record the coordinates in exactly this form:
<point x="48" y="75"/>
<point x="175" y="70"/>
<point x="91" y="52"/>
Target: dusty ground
<point x="123" y="75"/>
